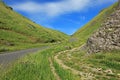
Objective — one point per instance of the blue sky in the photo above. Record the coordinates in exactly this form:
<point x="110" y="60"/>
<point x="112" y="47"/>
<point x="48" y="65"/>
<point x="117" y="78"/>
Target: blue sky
<point x="64" y="15"/>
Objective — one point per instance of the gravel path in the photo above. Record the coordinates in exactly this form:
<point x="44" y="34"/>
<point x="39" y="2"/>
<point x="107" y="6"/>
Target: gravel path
<point x="9" y="57"/>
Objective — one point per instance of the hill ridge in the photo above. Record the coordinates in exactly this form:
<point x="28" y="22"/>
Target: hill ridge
<point x="16" y="30"/>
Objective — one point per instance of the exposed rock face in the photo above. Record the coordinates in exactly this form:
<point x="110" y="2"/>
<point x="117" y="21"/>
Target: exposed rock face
<point x="108" y="36"/>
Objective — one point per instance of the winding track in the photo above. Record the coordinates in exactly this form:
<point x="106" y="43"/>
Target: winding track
<point x="60" y="62"/>
<point x="9" y="57"/>
<point x="84" y="76"/>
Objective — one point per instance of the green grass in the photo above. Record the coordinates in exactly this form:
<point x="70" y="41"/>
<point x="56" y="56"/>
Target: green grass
<point x="16" y="30"/>
<point x="64" y="74"/>
<point x="32" y="67"/>
<point x="83" y="62"/>
<point x="4" y="48"/>
<point x="36" y="67"/>
<point x="108" y="59"/>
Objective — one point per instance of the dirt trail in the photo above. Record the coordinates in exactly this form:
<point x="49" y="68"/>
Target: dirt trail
<point x="83" y="75"/>
<point x="60" y="62"/>
<point x="7" y="58"/>
<point x="53" y="70"/>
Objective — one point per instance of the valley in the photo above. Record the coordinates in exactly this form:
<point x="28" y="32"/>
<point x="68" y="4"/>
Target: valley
<point x="38" y="53"/>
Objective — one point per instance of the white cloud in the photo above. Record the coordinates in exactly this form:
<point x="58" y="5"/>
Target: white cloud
<point x="57" y="8"/>
<point x="53" y="8"/>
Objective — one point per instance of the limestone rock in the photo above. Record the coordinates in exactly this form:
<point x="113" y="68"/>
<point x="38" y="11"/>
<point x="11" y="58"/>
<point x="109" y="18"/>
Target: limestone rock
<point x="108" y="36"/>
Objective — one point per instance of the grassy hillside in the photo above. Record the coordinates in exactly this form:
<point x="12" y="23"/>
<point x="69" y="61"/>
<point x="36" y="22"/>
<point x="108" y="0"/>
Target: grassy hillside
<point x="84" y="33"/>
<point x="17" y="30"/>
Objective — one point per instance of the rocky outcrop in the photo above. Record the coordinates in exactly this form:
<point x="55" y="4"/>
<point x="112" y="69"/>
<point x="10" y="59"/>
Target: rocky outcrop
<point x="108" y="36"/>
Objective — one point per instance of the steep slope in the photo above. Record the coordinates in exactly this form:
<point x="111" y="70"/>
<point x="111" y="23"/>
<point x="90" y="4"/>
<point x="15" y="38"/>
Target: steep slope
<point x="107" y="38"/>
<point x="102" y="35"/>
<point x="86" y="31"/>
<point x="16" y="30"/>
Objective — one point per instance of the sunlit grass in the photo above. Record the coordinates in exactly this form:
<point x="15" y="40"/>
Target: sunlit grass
<point x="36" y="67"/>
<point x="65" y="74"/>
<point x="16" y="30"/>
<point x="93" y="62"/>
